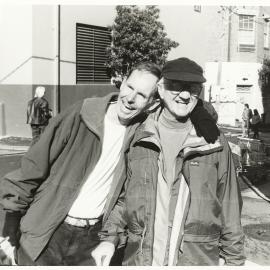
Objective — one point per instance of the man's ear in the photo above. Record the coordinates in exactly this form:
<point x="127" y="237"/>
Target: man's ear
<point x="123" y="82"/>
<point x="153" y="105"/>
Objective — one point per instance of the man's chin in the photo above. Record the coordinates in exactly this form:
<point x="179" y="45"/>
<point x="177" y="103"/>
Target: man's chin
<point x="126" y="119"/>
<point x="181" y="115"/>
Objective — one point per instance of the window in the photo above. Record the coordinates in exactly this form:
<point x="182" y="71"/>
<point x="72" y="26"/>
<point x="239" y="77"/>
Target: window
<point x="197" y="8"/>
<point x="243" y="88"/>
<point x="246" y="33"/>
<point x="246" y="22"/>
<point x="266" y="35"/>
<point x="91" y="43"/>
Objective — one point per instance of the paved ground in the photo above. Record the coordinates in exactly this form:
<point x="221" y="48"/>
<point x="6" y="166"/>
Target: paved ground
<point x="255" y="190"/>
<point x="256" y="210"/>
<point x="7" y="163"/>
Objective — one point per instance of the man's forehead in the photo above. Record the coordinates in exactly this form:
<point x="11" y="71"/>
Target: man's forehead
<point x="141" y="72"/>
<point x="143" y="81"/>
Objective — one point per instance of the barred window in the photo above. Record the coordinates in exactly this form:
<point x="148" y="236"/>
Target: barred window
<point x="197" y="8"/>
<point x="91" y="42"/>
<point x="243" y="88"/>
<point x="246" y="33"/>
<point x="246" y="22"/>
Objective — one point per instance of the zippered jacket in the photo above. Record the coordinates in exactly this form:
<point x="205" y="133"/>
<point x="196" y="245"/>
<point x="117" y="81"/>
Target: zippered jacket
<point x="205" y="211"/>
<point x="54" y="169"/>
<point x="38" y="112"/>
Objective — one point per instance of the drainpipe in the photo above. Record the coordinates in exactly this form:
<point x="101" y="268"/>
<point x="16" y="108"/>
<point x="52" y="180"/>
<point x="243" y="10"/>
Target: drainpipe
<point x="58" y="63"/>
<point x="229" y="35"/>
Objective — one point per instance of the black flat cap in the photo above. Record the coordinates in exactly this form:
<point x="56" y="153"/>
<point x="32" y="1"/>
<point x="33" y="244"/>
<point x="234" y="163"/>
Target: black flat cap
<point x="183" y="69"/>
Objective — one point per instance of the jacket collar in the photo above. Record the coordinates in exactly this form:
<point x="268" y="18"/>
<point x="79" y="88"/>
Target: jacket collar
<point x="148" y="132"/>
<point x="198" y="145"/>
<point x="93" y="111"/>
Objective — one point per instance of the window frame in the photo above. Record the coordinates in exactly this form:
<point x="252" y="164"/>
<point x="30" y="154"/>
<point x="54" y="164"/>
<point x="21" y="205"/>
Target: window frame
<point x="244" y="19"/>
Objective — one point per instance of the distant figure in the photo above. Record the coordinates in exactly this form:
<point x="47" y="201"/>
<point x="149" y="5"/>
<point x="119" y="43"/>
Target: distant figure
<point x="255" y="122"/>
<point x="246" y="116"/>
<point x="38" y="113"/>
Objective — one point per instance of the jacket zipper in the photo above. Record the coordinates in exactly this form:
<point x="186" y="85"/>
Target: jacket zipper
<point x="144" y="228"/>
<point x="142" y="239"/>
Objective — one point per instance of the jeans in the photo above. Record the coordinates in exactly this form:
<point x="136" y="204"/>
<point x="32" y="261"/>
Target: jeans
<point x="69" y="245"/>
<point x="36" y="132"/>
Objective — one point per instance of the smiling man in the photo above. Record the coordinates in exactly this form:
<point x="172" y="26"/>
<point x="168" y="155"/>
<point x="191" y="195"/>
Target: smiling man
<point x="70" y="179"/>
<point x="181" y="204"/>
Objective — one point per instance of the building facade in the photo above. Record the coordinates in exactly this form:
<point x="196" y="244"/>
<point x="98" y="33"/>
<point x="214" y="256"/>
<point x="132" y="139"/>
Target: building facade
<point x="62" y="48"/>
<point x="233" y="81"/>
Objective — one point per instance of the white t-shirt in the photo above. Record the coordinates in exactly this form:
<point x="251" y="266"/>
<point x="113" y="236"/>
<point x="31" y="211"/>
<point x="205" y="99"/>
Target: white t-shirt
<point x="92" y="197"/>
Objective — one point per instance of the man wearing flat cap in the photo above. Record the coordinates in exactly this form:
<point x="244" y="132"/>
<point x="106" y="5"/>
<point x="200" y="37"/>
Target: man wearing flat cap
<point x="181" y="204"/>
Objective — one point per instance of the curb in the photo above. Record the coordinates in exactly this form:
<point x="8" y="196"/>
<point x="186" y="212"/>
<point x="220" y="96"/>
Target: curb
<point x="9" y="150"/>
<point x="13" y="147"/>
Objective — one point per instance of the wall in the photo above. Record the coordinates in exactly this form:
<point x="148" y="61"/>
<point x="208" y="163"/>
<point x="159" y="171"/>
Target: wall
<point x="227" y="100"/>
<point x="70" y="15"/>
<point x="180" y="20"/>
<point x="237" y="56"/>
<point x="35" y="61"/>
<point x="71" y="93"/>
<point x="29" y="56"/>
<point x="15" y="45"/>
<point x="16" y="72"/>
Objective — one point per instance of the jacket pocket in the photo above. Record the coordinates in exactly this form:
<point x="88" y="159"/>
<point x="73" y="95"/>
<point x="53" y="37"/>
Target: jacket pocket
<point x="134" y="248"/>
<point x="199" y="250"/>
<point x="201" y="238"/>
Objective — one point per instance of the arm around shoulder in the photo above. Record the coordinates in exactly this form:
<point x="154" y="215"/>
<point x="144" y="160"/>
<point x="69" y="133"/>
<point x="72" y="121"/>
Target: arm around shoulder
<point x="232" y="236"/>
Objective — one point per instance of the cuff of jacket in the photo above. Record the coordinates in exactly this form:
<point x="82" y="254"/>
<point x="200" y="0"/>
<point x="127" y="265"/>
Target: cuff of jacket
<point x="114" y="239"/>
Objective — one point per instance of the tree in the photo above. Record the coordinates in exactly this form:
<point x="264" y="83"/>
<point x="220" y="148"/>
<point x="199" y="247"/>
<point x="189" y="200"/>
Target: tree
<point x="137" y="36"/>
<point x="264" y="76"/>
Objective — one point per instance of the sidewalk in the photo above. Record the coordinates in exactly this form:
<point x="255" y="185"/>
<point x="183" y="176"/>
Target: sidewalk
<point x="235" y="131"/>
<point x="14" y="145"/>
<point x="255" y="220"/>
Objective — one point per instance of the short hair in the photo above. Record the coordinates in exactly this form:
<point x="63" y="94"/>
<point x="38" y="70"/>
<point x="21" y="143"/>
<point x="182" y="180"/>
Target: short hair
<point x="247" y="105"/>
<point x="150" y="67"/>
<point x="40" y="90"/>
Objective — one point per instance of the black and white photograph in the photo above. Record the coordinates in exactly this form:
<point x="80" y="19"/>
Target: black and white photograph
<point x="135" y="135"/>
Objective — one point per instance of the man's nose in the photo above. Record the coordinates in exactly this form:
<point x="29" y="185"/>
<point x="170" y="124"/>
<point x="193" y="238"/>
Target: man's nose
<point x="185" y="96"/>
<point x="131" y="97"/>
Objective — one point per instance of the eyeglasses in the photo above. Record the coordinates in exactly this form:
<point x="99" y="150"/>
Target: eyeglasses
<point x="176" y="88"/>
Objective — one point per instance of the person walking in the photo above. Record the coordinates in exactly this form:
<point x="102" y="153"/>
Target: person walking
<point x="246" y="117"/>
<point x="38" y="113"/>
<point x="255" y="122"/>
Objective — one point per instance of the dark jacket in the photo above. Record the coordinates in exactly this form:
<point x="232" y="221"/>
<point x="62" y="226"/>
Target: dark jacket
<point x="210" y="227"/>
<point x="54" y="169"/>
<point x="38" y="112"/>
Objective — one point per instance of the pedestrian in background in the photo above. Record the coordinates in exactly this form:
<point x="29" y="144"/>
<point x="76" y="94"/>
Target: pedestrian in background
<point x="246" y="116"/>
<point x="38" y="113"/>
<point x="255" y="122"/>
